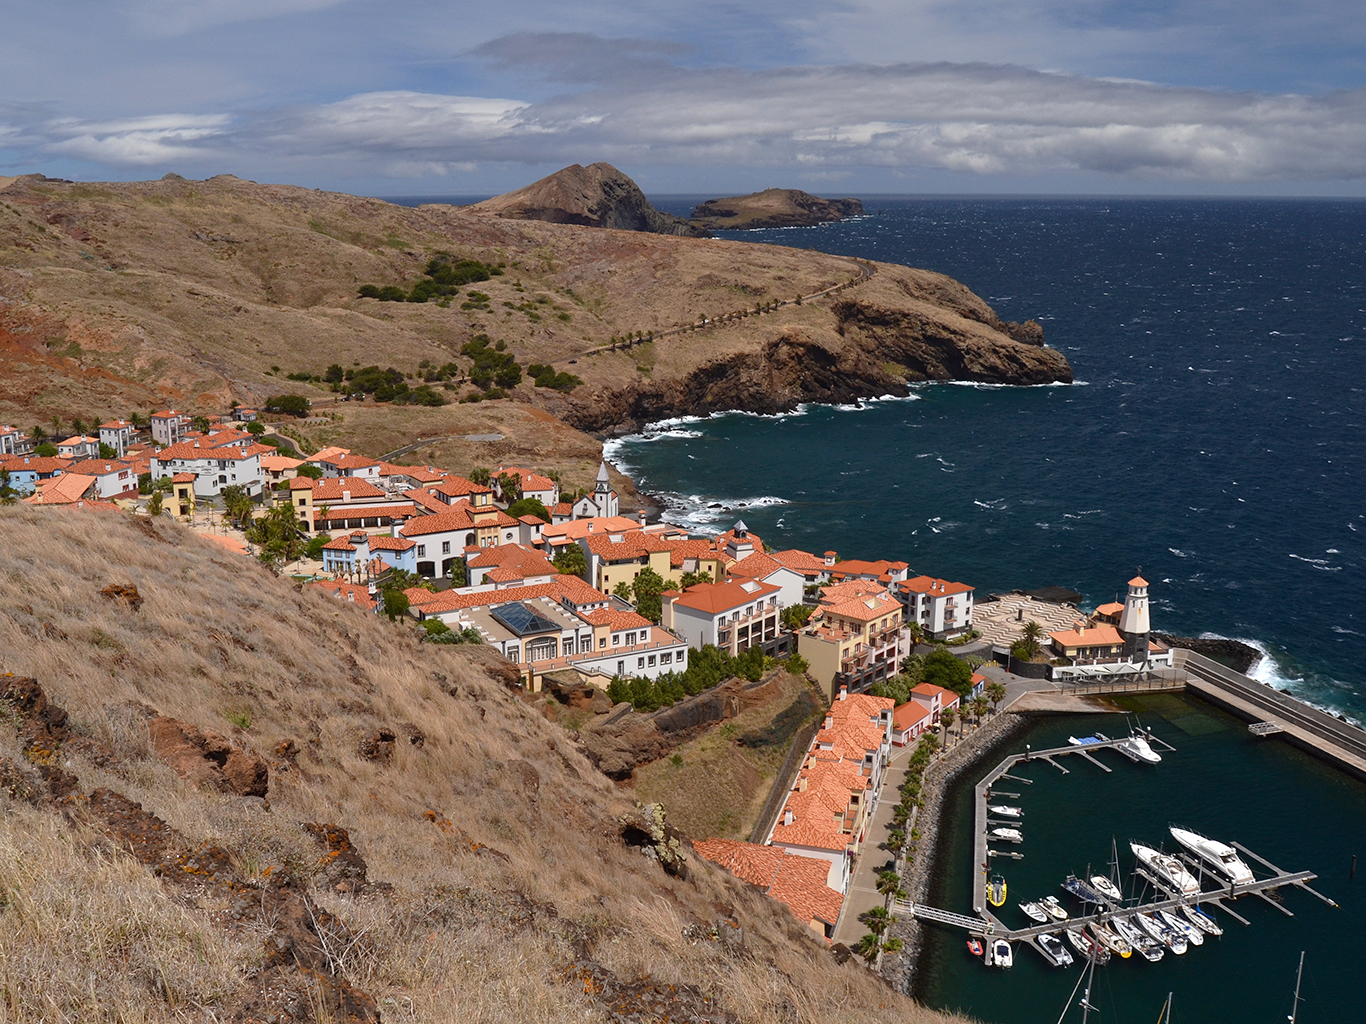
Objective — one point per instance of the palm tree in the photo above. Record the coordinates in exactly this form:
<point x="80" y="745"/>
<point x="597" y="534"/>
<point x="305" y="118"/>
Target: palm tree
<point x="978" y="705"/>
<point x="1031" y="633"/>
<point x="869" y="947"/>
<point x="877" y="919"/>
<point x="889" y="886"/>
<point x="946" y="718"/>
<point x="996" y="692"/>
<point x="915" y="632"/>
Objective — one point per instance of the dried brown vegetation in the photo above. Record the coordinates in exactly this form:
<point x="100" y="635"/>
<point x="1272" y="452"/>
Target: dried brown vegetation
<point x="478" y="876"/>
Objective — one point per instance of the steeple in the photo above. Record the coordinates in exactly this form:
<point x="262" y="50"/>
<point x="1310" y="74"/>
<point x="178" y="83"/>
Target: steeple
<point x="602" y="486"/>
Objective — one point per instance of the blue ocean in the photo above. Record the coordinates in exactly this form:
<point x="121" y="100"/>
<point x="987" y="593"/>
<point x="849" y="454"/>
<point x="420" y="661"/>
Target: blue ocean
<point x="1214" y="440"/>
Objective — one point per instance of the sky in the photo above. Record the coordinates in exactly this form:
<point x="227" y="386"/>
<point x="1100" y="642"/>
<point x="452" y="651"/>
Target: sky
<point x="849" y="97"/>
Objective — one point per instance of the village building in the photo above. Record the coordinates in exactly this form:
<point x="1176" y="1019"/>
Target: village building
<point x="935" y="700"/>
<point x="118" y="435"/>
<point x="113" y="480"/>
<point x="797" y="882"/>
<point x="25" y="471"/>
<point x="169" y="427"/>
<point x="341" y="463"/>
<point x="1117" y="641"/>
<point x="602" y="503"/>
<point x="10" y="440"/>
<point x="530" y="485"/>
<point x="362" y="554"/>
<point x="765" y="568"/>
<point x="403" y="478"/>
<point x="827" y="813"/>
<point x="276" y="469"/>
<point x="814" y="570"/>
<point x="942" y="608"/>
<point x="853" y="638"/>
<point x="619" y="557"/>
<point x="910" y="721"/>
<point x="880" y="571"/>
<point x="733" y="616"/>
<point x="66" y="489"/>
<point x="215" y="466"/>
<point x="508" y="565"/>
<point x="79" y="447"/>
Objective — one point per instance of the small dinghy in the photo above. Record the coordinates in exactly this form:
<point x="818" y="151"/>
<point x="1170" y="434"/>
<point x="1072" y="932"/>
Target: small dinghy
<point x="1035" y="912"/>
<point x="996" y="891"/>
<point x="975" y="946"/>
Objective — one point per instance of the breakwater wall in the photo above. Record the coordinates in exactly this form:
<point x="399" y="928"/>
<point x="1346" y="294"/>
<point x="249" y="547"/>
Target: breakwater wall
<point x="1240" y="656"/>
<point x="899" y="968"/>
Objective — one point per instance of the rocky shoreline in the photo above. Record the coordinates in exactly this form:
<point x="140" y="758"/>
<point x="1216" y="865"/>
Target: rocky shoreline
<point x="900" y="969"/>
<point x="1237" y="655"/>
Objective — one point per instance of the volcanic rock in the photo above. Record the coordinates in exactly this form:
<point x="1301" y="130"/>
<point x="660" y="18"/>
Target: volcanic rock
<point x="773" y="208"/>
<point x="596" y="196"/>
<point x="206" y="759"/>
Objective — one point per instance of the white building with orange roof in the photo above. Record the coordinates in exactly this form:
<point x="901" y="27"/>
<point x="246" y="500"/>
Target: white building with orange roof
<point x="910" y="721"/>
<point x="602" y="503"/>
<point x="117" y="434"/>
<point x="881" y="571"/>
<point x="357" y="552"/>
<point x="854" y="637"/>
<point x="26" y="471"/>
<point x="508" y="565"/>
<point x="10" y="440"/>
<point x="941" y="607"/>
<point x="828" y="812"/>
<point x="814" y="569"/>
<point x="215" y="466"/>
<point x="67" y="489"/>
<point x="618" y="557"/>
<point x="529" y="484"/>
<point x="401" y="478"/>
<point x="443" y="537"/>
<point x="278" y="468"/>
<point x="733" y="616"/>
<point x="797" y="882"/>
<point x="169" y="426"/>
<point x="113" y="479"/>
<point x="765" y="568"/>
<point x="79" y="447"/>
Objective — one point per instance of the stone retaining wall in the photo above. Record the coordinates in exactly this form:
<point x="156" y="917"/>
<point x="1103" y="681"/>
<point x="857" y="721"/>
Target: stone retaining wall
<point x="899" y="968"/>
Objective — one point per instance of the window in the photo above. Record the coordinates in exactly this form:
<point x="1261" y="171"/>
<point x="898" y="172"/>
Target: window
<point x="630" y="639"/>
<point x="445" y="547"/>
<point x="422" y="551"/>
<point x="512" y="653"/>
<point x="652" y="661"/>
<point x="666" y="658"/>
<point x="602" y="643"/>
<point x="640" y="663"/>
<point x="616" y="639"/>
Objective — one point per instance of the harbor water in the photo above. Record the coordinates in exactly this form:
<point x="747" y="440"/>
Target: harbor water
<point x="1273" y="799"/>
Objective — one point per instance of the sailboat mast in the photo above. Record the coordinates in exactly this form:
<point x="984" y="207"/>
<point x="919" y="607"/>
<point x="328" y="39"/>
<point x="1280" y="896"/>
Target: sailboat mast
<point x="1299" y="975"/>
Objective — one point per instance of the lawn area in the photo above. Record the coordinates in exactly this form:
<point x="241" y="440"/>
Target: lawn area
<point x="716" y="783"/>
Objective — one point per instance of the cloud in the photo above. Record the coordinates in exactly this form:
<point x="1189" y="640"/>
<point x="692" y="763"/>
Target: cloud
<point x="175" y="17"/>
<point x="632" y="103"/>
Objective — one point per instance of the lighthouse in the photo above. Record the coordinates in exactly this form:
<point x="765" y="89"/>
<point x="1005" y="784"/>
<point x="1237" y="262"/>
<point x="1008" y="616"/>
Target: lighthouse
<point x="1133" y="621"/>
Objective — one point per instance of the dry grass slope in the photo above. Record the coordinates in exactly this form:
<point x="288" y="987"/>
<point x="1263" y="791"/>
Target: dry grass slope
<point x="512" y="898"/>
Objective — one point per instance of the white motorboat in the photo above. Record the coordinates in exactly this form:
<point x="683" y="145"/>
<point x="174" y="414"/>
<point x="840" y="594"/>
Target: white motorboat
<point x="1137" y="748"/>
<point x="1087" y="946"/>
<point x="1111" y="940"/>
<point x="1005" y="811"/>
<point x="1148" y="948"/>
<point x="1201" y="920"/>
<point x="1035" y="912"/>
<point x="1177" y="923"/>
<point x="1222" y="857"/>
<point x="1107" y="888"/>
<point x="1053" y="908"/>
<point x="1005" y="834"/>
<point x="1168" y="869"/>
<point x="1053" y="950"/>
<point x="999" y="954"/>
<point x="1173" y="939"/>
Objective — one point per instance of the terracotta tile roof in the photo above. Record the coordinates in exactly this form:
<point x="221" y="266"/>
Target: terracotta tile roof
<point x="1093" y="636"/>
<point x="528" y="480"/>
<point x="198" y="449"/>
<point x="279" y="463"/>
<point x="715" y="598"/>
<point x="946" y="696"/>
<point x="116" y="425"/>
<point x="576" y="528"/>
<point x="1113" y="608"/>
<point x="35" y="463"/>
<point x="681" y="549"/>
<point x="1138" y="581"/>
<point x="328" y="454"/>
<point x="796" y="881"/>
<point x="756" y="566"/>
<point x="368" y="512"/>
<point x="167" y="414"/>
<point x="858" y="567"/>
<point x="909" y="714"/>
<point x="420" y="474"/>
<point x="616" y="619"/>
<point x="97" y="467"/>
<point x="391" y="544"/>
<point x="351" y="593"/>
<point x="562" y="587"/>
<point x="421" y="496"/>
<point x="865" y="609"/>
<point x="933" y="587"/>
<point x="620" y="546"/>
<point x="335" y="488"/>
<point x="66" y="489"/>
<point x="340" y="544"/>
<point x="458" y="486"/>
<point x="757" y="865"/>
<point x="184" y="478"/>
<point x="531" y="520"/>
<point x="352" y="462"/>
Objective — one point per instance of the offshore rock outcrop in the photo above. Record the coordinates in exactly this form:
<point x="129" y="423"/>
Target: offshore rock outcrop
<point x="773" y="208"/>
<point x="596" y="196"/>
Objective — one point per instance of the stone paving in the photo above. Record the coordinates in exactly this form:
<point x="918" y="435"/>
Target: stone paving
<point x="1000" y="621"/>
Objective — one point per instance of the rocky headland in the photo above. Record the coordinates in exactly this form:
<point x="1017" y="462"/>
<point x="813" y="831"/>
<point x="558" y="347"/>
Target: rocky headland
<point x="772" y="208"/>
<point x="596" y="196"/>
<point x="117" y="297"/>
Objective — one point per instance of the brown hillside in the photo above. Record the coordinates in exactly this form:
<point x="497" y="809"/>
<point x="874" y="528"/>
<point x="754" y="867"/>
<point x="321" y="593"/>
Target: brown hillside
<point x="116" y="297"/>
<point x="430" y="848"/>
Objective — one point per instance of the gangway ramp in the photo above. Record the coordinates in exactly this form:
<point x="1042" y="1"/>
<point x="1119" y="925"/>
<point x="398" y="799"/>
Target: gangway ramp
<point x="975" y="925"/>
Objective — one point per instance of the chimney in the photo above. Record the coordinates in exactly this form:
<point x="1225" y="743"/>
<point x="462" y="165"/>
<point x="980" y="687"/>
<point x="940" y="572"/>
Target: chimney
<point x="844" y="691"/>
<point x="829" y="721"/>
<point x="640" y="516"/>
<point x="787" y="816"/>
<point x="801" y="784"/>
<point x="346" y="495"/>
<point x="830" y="557"/>
<point x="393" y="527"/>
<point x="590" y="526"/>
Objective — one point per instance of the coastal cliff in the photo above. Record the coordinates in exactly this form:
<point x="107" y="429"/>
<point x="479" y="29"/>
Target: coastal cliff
<point x="772" y="208"/>
<point x="596" y="196"/>
<point x="138" y="295"/>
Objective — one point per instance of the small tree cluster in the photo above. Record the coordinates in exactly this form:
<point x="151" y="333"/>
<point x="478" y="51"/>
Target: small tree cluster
<point x="492" y="365"/>
<point x="706" y="668"/>
<point x="545" y="376"/>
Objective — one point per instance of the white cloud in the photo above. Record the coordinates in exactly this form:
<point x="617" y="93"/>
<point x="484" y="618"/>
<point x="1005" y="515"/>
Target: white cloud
<point x="173" y="17"/>
<point x="977" y="119"/>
